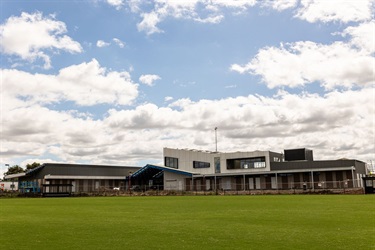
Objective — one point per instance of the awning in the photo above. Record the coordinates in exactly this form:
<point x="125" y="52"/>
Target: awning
<point x="154" y="167"/>
<point x="13" y="176"/>
<point x="82" y="177"/>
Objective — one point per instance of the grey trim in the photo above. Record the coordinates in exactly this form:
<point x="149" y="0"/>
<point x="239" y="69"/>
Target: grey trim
<point x="12" y="176"/>
<point x="280" y="172"/>
<point x="82" y="177"/>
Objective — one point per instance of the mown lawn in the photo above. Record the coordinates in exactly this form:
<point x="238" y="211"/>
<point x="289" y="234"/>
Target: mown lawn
<point x="189" y="222"/>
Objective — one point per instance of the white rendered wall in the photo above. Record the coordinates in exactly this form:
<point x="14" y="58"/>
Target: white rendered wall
<point x="174" y="181"/>
<point x="187" y="157"/>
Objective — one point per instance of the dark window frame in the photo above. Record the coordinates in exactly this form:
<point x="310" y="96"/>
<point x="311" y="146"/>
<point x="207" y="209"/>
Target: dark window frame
<point x="201" y="164"/>
<point x="171" y="162"/>
<point x="247" y="163"/>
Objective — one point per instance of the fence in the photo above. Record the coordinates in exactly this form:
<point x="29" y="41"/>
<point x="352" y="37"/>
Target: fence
<point x="327" y="187"/>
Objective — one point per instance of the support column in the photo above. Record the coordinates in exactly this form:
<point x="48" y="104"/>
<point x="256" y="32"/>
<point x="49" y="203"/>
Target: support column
<point x="244" y="183"/>
<point x="353" y="178"/>
<point x="215" y="184"/>
<point x="312" y="180"/>
<point x="277" y="182"/>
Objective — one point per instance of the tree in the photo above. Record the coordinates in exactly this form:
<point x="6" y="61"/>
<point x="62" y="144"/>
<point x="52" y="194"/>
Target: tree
<point x="14" y="170"/>
<point x="32" y="166"/>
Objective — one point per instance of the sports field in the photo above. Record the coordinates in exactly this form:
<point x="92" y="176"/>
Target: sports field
<point x="189" y="222"/>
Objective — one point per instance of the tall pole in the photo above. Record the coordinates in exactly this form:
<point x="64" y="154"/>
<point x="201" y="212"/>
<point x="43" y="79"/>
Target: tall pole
<point x="216" y="139"/>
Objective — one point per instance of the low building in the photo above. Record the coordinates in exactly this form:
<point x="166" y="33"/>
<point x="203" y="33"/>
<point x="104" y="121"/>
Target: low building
<point x="197" y="170"/>
<point x="295" y="169"/>
<point x="64" y="179"/>
<point x="6" y="186"/>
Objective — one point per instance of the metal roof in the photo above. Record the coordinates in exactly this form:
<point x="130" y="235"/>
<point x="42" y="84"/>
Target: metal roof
<point x="280" y="171"/>
<point x="83" y="177"/>
<point x="162" y="168"/>
<point x="12" y="176"/>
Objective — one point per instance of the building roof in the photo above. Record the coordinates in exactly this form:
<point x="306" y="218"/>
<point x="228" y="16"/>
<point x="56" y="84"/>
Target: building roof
<point x="290" y="171"/>
<point x="161" y="168"/>
<point x="78" y="171"/>
<point x="14" y="176"/>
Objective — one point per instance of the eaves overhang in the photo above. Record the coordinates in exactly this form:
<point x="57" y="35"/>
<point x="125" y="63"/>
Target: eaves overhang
<point x="291" y="171"/>
<point x="14" y="176"/>
<point x="162" y="168"/>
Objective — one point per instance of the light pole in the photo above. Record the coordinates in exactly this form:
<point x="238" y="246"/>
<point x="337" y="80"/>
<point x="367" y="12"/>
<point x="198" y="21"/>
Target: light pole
<point x="130" y="181"/>
<point x="216" y="139"/>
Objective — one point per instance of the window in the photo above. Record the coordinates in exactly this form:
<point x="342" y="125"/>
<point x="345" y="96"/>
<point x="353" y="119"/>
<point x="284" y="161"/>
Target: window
<point x="171" y="162"/>
<point x="201" y="164"/>
<point x="246" y="163"/>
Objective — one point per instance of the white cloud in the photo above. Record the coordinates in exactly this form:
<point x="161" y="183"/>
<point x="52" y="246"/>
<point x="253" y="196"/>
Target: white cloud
<point x="336" y="10"/>
<point x="30" y="36"/>
<point x="149" y="22"/>
<point x="258" y="122"/>
<point x="168" y="98"/>
<point x="188" y="10"/>
<point x="85" y="84"/>
<point x="149" y="79"/>
<point x="101" y="44"/>
<point x="300" y="63"/>
<point x="116" y="3"/>
<point x="120" y="43"/>
<point x="323" y="123"/>
<point x="362" y="36"/>
<point x="280" y="5"/>
<point x="203" y="11"/>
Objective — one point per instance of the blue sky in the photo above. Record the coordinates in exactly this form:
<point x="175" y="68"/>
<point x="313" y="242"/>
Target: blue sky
<point x="113" y="82"/>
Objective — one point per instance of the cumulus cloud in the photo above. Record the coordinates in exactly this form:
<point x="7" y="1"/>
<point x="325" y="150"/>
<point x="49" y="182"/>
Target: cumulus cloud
<point x="259" y="122"/>
<point x="101" y="44"/>
<point x="85" y="84"/>
<point x="149" y="79"/>
<point x="214" y="12"/>
<point x="254" y="122"/>
<point x="296" y="64"/>
<point x="190" y="10"/>
<point x="362" y="36"/>
<point x="30" y="35"/>
<point x="335" y="10"/>
<point x="340" y="64"/>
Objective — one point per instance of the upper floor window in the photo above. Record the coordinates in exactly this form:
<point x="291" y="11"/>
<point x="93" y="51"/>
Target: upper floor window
<point x="171" y="162"/>
<point x="201" y="164"/>
<point x="246" y="163"/>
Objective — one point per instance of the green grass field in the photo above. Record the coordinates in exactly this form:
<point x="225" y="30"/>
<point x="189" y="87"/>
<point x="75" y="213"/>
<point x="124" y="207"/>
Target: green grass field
<point x="189" y="222"/>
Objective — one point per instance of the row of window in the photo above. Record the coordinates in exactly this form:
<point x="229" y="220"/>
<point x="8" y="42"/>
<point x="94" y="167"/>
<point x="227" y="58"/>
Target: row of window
<point x="246" y="163"/>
